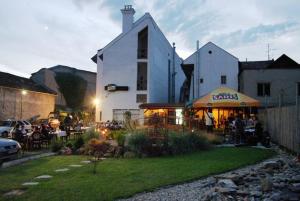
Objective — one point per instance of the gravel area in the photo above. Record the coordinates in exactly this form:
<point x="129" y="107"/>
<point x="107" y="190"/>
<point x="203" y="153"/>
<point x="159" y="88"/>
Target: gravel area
<point x="274" y="179"/>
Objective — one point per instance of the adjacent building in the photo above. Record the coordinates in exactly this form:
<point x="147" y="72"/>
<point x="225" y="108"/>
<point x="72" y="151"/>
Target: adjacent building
<point x="273" y="82"/>
<point x="208" y="68"/>
<point x="46" y="77"/>
<point x="138" y="66"/>
<point x="22" y="98"/>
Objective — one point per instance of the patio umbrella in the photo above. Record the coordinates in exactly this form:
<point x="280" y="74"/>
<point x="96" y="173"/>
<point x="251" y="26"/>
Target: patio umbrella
<point x="225" y="97"/>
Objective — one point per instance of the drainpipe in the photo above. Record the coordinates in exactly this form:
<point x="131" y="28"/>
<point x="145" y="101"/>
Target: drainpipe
<point x="173" y="75"/>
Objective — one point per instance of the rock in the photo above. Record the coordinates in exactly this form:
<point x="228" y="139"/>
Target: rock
<point x="62" y="170"/>
<point x="295" y="187"/>
<point x="227" y="183"/>
<point x="225" y="190"/>
<point x="44" y="177"/>
<point x="86" y="162"/>
<point x="275" y="196"/>
<point x="30" y="183"/>
<point x="108" y="154"/>
<point x="242" y="193"/>
<point x="236" y="178"/>
<point x="75" y="165"/>
<point x="271" y="165"/>
<point x="16" y="192"/>
<point x="129" y="154"/>
<point x="266" y="184"/>
<point x="295" y="179"/>
<point x="256" y="193"/>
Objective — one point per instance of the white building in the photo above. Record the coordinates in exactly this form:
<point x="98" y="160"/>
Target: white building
<point x="208" y="68"/>
<point x="136" y="67"/>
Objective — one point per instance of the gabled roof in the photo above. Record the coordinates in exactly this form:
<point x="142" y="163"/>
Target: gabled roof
<point x="254" y="65"/>
<point x="13" y="81"/>
<point x="214" y="45"/>
<point x="135" y="24"/>
<point x="283" y="62"/>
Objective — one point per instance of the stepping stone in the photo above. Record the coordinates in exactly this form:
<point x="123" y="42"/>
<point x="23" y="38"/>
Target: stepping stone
<point x="30" y="183"/>
<point x="62" y="170"/>
<point x="75" y="165"/>
<point x="16" y="192"/>
<point x="44" y="177"/>
<point x="86" y="162"/>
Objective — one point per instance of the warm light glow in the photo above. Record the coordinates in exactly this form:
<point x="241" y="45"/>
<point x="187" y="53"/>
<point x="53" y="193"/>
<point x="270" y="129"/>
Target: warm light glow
<point x="96" y="101"/>
<point x="24" y="92"/>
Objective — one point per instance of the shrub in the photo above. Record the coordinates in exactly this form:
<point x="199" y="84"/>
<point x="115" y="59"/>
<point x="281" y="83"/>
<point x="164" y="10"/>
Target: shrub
<point x="96" y="147"/>
<point x="179" y="143"/>
<point x="139" y="143"/>
<point x="78" y="143"/>
<point x="90" y="134"/>
<point x="56" y="146"/>
<point x="119" y="136"/>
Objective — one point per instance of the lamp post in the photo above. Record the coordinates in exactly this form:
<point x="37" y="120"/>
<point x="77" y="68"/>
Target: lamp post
<point x="23" y="93"/>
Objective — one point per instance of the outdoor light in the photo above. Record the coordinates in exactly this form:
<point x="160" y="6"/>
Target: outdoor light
<point x="96" y="101"/>
<point x="24" y="92"/>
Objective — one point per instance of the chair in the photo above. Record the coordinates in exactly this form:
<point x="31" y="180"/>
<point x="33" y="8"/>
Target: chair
<point x="36" y="140"/>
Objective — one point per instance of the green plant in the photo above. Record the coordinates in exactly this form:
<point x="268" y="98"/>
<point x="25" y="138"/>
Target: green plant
<point x="139" y="143"/>
<point x="78" y="143"/>
<point x="56" y="146"/>
<point x="90" y="134"/>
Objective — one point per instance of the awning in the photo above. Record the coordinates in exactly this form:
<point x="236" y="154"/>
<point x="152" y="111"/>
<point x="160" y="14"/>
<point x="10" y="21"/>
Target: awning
<point x="225" y="97"/>
<point x="152" y="106"/>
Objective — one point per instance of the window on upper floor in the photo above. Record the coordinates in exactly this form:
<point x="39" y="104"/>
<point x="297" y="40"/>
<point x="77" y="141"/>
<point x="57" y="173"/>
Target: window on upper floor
<point x="263" y="89"/>
<point x="141" y="98"/>
<point x="141" y="76"/>
<point x="223" y="79"/>
<point x="142" y="51"/>
<point x="201" y="80"/>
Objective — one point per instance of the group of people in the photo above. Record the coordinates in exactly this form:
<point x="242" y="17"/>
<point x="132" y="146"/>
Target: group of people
<point x="236" y="126"/>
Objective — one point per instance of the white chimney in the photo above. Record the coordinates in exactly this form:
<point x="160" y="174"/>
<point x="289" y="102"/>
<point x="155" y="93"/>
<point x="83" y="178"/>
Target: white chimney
<point x="127" y="13"/>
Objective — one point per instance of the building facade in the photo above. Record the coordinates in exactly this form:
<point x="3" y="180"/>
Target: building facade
<point x="208" y="68"/>
<point x="22" y="98"/>
<point x="138" y="66"/>
<point x="46" y="77"/>
<point x="273" y="83"/>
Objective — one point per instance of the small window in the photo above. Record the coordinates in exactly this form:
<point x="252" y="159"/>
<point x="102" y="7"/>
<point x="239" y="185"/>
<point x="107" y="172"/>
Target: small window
<point x="223" y="79"/>
<point x="209" y="52"/>
<point x="263" y="89"/>
<point x="201" y="80"/>
<point x="298" y="88"/>
<point x="141" y="98"/>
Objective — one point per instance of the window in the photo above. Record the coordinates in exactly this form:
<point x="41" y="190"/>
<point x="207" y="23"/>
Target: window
<point x="209" y="52"/>
<point x="142" y="76"/>
<point x="263" y="89"/>
<point x="223" y="79"/>
<point x="143" y="44"/>
<point x="201" y="80"/>
<point x="141" y="98"/>
<point x="298" y="88"/>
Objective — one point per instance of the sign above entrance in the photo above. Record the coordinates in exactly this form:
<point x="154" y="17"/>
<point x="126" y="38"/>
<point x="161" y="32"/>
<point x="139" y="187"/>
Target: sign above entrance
<point x="114" y="87"/>
<point x="225" y="96"/>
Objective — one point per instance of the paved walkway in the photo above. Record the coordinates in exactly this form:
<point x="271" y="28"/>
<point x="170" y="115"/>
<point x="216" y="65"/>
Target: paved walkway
<point x="274" y="179"/>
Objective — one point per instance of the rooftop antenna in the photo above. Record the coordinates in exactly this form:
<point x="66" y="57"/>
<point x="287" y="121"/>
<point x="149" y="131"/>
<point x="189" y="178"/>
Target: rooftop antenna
<point x="269" y="50"/>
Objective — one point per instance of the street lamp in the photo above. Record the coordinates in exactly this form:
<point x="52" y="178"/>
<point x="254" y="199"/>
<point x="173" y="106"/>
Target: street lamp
<point x="23" y="93"/>
<point x="96" y="102"/>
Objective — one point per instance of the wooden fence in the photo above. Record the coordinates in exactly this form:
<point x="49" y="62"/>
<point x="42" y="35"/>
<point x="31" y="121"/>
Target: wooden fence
<point x="282" y="123"/>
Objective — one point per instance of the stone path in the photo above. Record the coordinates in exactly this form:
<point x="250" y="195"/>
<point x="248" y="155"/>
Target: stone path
<point x="18" y="192"/>
<point x="272" y="180"/>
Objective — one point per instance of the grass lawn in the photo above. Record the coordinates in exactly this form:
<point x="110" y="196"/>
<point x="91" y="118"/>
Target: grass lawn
<point x="118" y="178"/>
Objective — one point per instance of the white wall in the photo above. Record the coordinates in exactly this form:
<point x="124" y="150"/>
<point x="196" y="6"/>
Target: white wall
<point x="210" y="67"/>
<point x="119" y="67"/>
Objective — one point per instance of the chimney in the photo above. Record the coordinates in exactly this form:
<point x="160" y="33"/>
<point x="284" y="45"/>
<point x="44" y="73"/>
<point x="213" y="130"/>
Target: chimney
<point x="127" y="13"/>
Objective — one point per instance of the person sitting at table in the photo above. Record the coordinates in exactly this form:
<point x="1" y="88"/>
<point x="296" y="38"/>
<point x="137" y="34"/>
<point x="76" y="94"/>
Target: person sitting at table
<point x="23" y="130"/>
<point x="44" y="132"/>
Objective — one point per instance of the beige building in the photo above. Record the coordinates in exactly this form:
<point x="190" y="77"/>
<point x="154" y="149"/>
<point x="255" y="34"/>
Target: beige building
<point x="46" y="76"/>
<point x="22" y="98"/>
<point x="273" y="82"/>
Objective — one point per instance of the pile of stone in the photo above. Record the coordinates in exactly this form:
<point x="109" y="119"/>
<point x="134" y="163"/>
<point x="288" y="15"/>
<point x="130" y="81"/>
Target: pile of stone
<point x="274" y="179"/>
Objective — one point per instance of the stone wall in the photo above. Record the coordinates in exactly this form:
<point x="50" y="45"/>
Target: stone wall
<point x="15" y="105"/>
